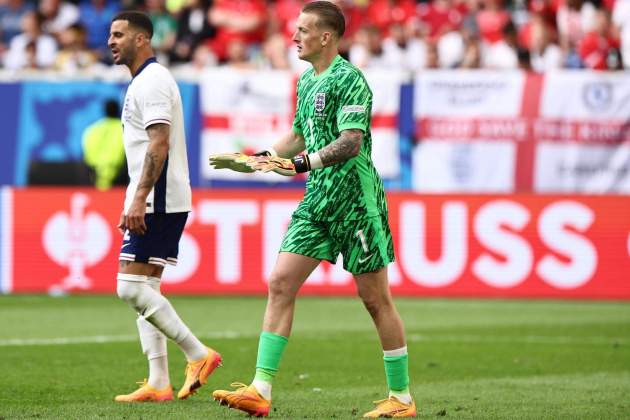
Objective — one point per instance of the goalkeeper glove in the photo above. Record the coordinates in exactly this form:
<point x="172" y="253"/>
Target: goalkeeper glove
<point x="286" y="167"/>
<point x="270" y="163"/>
<point x="233" y="161"/>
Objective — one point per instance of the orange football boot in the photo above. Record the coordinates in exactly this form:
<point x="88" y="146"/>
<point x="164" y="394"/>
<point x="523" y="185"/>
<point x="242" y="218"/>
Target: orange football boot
<point x="197" y="373"/>
<point x="391" y="407"/>
<point x="146" y="393"/>
<point x="245" y="398"/>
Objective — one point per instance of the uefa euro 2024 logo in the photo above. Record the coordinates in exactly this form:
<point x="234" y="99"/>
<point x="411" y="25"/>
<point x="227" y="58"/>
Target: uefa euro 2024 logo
<point x="76" y="240"/>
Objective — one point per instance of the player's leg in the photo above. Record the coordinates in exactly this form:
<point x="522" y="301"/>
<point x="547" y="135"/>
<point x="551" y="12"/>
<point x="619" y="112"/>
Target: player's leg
<point x="153" y="343"/>
<point x="144" y="258"/>
<point x="288" y="275"/>
<point x="152" y="340"/>
<point x="368" y="248"/>
<point x="290" y="272"/>
<point x="304" y="245"/>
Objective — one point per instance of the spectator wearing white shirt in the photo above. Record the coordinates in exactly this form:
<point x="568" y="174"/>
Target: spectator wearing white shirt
<point x="545" y="55"/>
<point x="58" y="15"/>
<point x="621" y="20"/>
<point x="33" y="47"/>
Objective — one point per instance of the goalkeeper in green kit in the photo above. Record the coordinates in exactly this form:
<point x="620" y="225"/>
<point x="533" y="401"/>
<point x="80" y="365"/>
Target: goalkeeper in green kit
<point x="344" y="211"/>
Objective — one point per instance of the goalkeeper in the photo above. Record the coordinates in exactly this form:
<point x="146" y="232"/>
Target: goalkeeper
<point x="343" y="211"/>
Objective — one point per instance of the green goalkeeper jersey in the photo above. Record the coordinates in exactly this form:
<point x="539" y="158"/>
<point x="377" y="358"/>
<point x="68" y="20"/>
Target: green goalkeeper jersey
<point x="338" y="99"/>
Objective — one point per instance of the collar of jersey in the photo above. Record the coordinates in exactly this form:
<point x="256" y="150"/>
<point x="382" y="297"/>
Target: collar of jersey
<point x="325" y="72"/>
<point x="144" y="65"/>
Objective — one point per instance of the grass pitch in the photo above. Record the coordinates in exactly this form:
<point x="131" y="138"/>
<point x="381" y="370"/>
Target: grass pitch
<point x="66" y="357"/>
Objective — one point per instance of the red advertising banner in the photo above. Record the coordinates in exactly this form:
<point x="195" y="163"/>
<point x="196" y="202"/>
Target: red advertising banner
<point x="446" y="245"/>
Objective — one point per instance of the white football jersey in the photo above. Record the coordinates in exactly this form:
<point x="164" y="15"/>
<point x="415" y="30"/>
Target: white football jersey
<point x="153" y="97"/>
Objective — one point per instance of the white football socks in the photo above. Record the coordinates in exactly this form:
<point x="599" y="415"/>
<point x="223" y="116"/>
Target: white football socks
<point x="263" y="388"/>
<point x="139" y="292"/>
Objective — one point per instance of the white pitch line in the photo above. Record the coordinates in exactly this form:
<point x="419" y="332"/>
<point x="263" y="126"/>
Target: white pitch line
<point x="532" y="339"/>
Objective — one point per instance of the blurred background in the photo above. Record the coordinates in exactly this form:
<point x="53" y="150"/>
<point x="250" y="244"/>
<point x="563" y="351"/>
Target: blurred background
<point x="501" y="129"/>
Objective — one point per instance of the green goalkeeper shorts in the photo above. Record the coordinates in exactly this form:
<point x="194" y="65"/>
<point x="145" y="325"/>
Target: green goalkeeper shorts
<point x="365" y="244"/>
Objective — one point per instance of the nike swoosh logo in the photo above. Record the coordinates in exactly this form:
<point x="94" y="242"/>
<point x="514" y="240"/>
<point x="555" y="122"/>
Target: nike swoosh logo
<point x="124" y="245"/>
<point x="362" y="260"/>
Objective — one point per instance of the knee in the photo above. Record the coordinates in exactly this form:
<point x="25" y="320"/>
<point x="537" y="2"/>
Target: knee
<point x="375" y="303"/>
<point x="133" y="293"/>
<point x="127" y="291"/>
<point x="281" y="288"/>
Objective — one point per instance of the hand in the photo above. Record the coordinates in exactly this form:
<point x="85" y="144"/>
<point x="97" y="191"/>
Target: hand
<point x="269" y="163"/>
<point x="121" y="223"/>
<point x="233" y="161"/>
<point x="134" y="219"/>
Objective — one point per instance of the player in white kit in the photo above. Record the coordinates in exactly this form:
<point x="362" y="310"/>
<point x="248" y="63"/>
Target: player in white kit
<point x="157" y="203"/>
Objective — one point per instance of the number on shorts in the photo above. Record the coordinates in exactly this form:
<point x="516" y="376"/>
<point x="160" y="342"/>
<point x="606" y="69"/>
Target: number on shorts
<point x="361" y="237"/>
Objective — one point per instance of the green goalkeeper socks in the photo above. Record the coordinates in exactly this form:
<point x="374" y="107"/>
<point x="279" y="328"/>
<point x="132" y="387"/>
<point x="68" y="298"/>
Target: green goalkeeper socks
<point x="397" y="371"/>
<point x="270" y="349"/>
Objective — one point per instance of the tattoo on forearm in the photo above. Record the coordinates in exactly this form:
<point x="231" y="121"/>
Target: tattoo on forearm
<point x="150" y="172"/>
<point x="154" y="160"/>
<point x="345" y="147"/>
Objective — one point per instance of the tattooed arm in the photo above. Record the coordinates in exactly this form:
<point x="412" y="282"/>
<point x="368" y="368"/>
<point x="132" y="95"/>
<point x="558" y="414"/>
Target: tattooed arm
<point x="151" y="170"/>
<point x="345" y="147"/>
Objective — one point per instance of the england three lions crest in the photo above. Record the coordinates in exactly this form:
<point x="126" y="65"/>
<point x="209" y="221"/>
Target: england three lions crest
<point x="320" y="102"/>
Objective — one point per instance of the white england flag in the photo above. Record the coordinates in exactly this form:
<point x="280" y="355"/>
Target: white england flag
<point x="468" y="125"/>
<point x="244" y="111"/>
<point x="583" y="133"/>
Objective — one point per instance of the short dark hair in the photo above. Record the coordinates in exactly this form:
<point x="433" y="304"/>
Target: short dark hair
<point x="329" y="15"/>
<point x="138" y="20"/>
<point x="111" y="108"/>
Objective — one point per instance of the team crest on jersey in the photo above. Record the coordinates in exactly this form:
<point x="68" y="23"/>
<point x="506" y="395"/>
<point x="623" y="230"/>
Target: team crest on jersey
<point x="320" y="102"/>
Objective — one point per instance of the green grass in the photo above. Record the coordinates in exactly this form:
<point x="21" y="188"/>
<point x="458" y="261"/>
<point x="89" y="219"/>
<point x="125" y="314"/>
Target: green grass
<point x="469" y="359"/>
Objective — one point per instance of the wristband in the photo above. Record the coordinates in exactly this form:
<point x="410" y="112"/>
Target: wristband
<point x="301" y="163"/>
<point x="305" y="163"/>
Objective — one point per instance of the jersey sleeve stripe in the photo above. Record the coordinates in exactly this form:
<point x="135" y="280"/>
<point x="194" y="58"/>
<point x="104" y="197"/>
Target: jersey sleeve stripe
<point x="156" y="121"/>
<point x="351" y="125"/>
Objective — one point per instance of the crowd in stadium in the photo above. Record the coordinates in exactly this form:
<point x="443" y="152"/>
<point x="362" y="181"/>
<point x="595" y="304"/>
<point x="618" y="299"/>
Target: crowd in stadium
<point x="538" y="35"/>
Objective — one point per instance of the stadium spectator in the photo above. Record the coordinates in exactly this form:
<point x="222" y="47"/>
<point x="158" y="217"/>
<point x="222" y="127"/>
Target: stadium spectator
<point x="491" y="20"/>
<point x="545" y="55"/>
<point x="243" y="19"/>
<point x="404" y="43"/>
<point x="599" y="49"/>
<point x="103" y="148"/>
<point x="384" y="13"/>
<point x="74" y="54"/>
<point x="621" y="20"/>
<point x="367" y="50"/>
<point x="399" y="50"/>
<point x="238" y="55"/>
<point x="58" y="15"/>
<point x="32" y="48"/>
<point x="164" y="27"/>
<point x="441" y="17"/>
<point x="96" y="16"/>
<point x="451" y="49"/>
<point x="282" y="15"/>
<point x="274" y="53"/>
<point x="433" y="59"/>
<point x="574" y="18"/>
<point x="11" y="13"/>
<point x="502" y="54"/>
<point x="193" y="28"/>
<point x="472" y="54"/>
